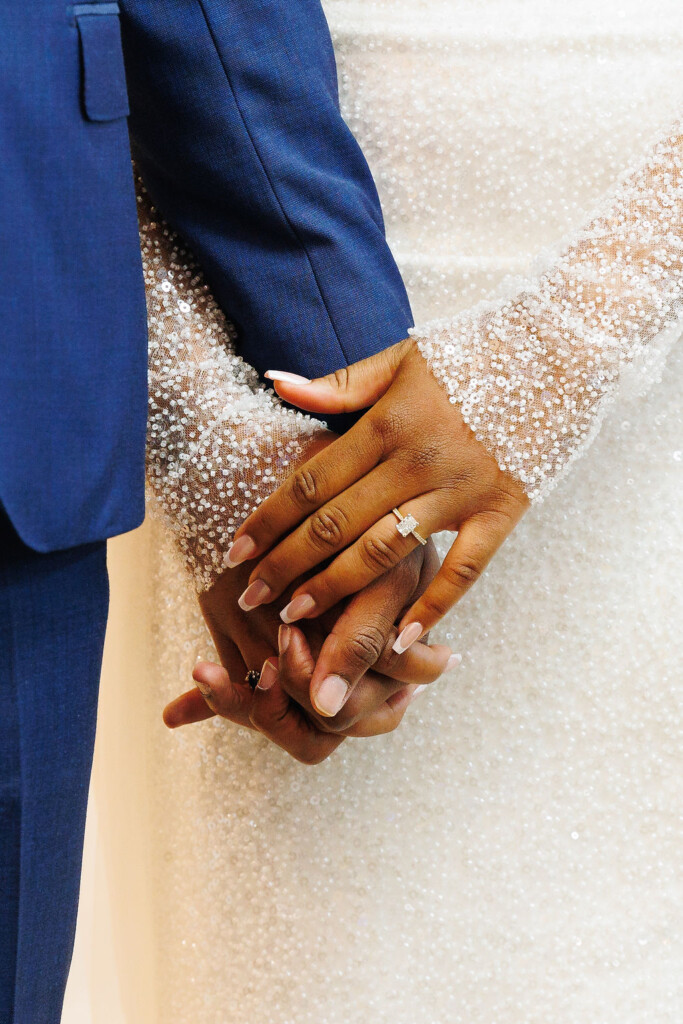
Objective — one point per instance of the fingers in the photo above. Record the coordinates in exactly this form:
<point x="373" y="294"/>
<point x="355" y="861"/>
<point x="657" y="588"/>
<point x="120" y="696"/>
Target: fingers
<point x="268" y="709"/>
<point x="478" y="540"/>
<point x="366" y="704"/>
<point x="354" y="387"/>
<point x="344" y="660"/>
<point x="378" y="550"/>
<point x="216" y="694"/>
<point x="321" y="479"/>
<point x="281" y="720"/>
<point x="190" y="707"/>
<point x="389" y="716"/>
<point x="330" y="529"/>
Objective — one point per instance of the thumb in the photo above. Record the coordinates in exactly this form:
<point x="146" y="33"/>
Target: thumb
<point x="353" y="387"/>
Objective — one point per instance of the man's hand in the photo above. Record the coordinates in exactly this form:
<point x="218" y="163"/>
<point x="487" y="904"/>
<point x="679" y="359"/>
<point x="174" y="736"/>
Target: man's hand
<point x="411" y="449"/>
<point x="360" y="640"/>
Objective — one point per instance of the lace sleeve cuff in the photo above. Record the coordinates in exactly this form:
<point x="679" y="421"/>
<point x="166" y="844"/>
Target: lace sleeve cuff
<point x="532" y="376"/>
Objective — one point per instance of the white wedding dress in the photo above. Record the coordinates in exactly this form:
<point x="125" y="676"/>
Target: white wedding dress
<point x="512" y="854"/>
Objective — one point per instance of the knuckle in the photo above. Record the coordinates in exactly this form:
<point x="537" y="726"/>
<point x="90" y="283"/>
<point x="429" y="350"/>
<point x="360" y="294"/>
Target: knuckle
<point x="366" y="647"/>
<point x="391" y="427"/>
<point x="436" y="605"/>
<point x="422" y="457"/>
<point x="377" y="554"/>
<point x="461" y="574"/>
<point x="309" y="754"/>
<point x="340" y="378"/>
<point x="305" y="487"/>
<point x="326" y="527"/>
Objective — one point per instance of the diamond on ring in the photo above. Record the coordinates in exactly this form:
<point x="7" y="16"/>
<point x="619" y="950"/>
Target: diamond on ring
<point x="407" y="525"/>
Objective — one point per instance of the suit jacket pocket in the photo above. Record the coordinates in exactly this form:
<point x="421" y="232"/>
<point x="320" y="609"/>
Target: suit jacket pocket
<point x="103" y="76"/>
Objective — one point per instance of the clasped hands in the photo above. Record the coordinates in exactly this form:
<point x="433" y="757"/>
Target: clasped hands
<point x="353" y="663"/>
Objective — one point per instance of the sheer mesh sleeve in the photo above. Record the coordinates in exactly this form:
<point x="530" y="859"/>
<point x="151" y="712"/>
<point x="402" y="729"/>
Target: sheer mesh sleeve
<point x="532" y="375"/>
<point x="218" y="442"/>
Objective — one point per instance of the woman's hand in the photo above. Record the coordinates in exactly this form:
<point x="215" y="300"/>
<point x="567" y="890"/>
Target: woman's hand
<point x="358" y="640"/>
<point x="411" y="450"/>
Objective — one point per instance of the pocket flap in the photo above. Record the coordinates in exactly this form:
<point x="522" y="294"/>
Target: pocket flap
<point x="104" y="77"/>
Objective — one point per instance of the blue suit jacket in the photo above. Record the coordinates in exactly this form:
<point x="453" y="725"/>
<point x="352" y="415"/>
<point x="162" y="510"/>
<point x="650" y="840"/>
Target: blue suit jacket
<point x="236" y="129"/>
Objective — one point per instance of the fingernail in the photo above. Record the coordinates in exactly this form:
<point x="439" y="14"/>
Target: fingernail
<point x="268" y="676"/>
<point x="453" y="661"/>
<point x="286" y="378"/>
<point x="255" y="594"/>
<point x="417" y="691"/>
<point x="301" y="605"/>
<point x="203" y="688"/>
<point x="238" y="552"/>
<point x="331" y="696"/>
<point x="283" y="637"/>
<point x="407" y="637"/>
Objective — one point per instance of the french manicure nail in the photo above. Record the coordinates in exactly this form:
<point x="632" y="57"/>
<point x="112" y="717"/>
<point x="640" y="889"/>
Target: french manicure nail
<point x="453" y="661"/>
<point x="331" y="696"/>
<point x="268" y="676"/>
<point x="417" y="691"/>
<point x="255" y="594"/>
<point x="286" y="378"/>
<point x="283" y="637"/>
<point x="407" y="637"/>
<point x="301" y="605"/>
<point x="243" y="548"/>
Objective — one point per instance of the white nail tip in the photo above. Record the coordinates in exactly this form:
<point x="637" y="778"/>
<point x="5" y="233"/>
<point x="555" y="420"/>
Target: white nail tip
<point x="286" y="378"/>
<point x="407" y="638"/>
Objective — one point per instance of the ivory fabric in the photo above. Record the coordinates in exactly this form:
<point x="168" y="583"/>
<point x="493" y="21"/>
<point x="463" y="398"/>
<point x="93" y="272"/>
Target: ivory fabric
<point x="513" y="852"/>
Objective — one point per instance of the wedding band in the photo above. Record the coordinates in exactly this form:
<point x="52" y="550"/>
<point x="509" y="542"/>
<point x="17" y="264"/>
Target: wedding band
<point x="252" y="677"/>
<point x="408" y="524"/>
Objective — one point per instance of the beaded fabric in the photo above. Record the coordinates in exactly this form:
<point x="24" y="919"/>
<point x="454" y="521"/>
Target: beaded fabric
<point x="218" y="442"/>
<point x="512" y="853"/>
<point x="532" y="376"/>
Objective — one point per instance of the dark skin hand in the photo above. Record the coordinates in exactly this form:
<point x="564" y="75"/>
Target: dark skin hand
<point x="411" y="449"/>
<point x="360" y="635"/>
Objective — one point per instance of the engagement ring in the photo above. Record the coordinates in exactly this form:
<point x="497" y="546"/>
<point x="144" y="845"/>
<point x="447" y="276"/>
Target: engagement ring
<point x="408" y="524"/>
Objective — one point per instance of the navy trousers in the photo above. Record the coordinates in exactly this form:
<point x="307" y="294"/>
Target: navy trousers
<point x="53" y="611"/>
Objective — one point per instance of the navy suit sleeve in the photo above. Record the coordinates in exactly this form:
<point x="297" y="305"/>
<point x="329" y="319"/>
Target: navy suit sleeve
<point x="236" y="130"/>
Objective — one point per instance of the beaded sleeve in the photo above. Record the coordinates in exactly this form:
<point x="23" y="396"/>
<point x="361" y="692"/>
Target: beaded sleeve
<point x="218" y="442"/>
<point x="533" y="375"/>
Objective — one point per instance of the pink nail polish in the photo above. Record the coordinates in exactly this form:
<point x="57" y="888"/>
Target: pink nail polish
<point x="285" y="377"/>
<point x="283" y="637"/>
<point x="238" y="552"/>
<point x="453" y="661"/>
<point x="331" y="696"/>
<point x="407" y="637"/>
<point x="300" y="606"/>
<point x="268" y="676"/>
<point x="255" y="594"/>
